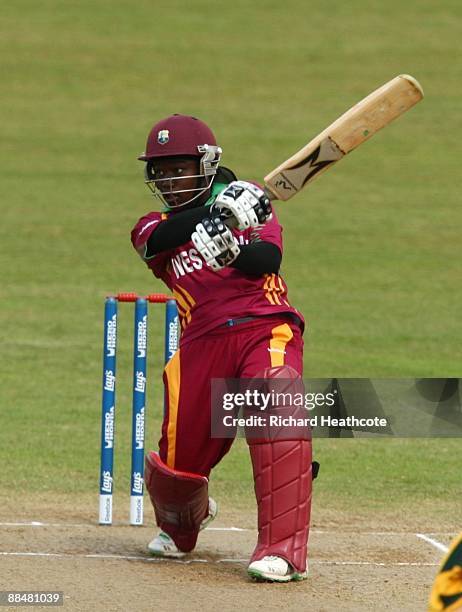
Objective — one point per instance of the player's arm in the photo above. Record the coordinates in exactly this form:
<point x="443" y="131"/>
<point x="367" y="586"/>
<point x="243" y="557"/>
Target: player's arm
<point x="258" y="258"/>
<point x="175" y="231"/>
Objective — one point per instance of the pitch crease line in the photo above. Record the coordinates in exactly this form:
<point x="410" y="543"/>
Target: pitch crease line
<point x="40" y="524"/>
<point x="226" y="529"/>
<point x="190" y="561"/>
<point x="378" y="563"/>
<point x="116" y="557"/>
<point x="381" y="533"/>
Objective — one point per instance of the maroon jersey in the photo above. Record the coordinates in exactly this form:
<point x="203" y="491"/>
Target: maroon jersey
<point x="207" y="299"/>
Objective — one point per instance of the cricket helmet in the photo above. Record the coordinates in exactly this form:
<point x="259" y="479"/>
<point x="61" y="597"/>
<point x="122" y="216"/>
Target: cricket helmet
<point x="177" y="135"/>
<point x="182" y="136"/>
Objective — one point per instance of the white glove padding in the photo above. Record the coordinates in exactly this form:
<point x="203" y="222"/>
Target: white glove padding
<point x="246" y="202"/>
<point x="215" y="243"/>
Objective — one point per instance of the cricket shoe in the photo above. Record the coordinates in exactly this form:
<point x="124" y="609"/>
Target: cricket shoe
<point x="274" y="569"/>
<point x="163" y="545"/>
<point x="213" y="510"/>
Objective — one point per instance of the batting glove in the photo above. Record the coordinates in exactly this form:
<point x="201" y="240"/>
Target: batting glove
<point x="246" y="202"/>
<point x="215" y="243"/>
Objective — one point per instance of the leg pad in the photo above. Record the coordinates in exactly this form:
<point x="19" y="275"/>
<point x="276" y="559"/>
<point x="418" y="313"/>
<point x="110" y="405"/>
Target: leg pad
<point x="180" y="501"/>
<point x="283" y="477"/>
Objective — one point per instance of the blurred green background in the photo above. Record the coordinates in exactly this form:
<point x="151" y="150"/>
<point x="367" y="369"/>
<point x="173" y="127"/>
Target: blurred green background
<point x="372" y="249"/>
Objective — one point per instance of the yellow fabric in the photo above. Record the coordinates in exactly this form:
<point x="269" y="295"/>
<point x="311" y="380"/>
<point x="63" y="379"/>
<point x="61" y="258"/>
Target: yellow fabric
<point x="274" y="289"/>
<point x="266" y="288"/>
<point x="280" y="336"/>
<point x="188" y="296"/>
<point x="271" y="290"/>
<point x="185" y="302"/>
<point x="173" y="372"/>
<point x="448" y="583"/>
<point x="183" y="308"/>
<point x="281" y="289"/>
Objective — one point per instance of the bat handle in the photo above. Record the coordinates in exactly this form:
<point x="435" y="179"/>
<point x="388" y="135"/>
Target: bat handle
<point x="269" y="194"/>
<point x="228" y="219"/>
<point x="230" y="222"/>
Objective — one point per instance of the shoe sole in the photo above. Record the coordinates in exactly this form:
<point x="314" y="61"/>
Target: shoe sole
<point x="166" y="555"/>
<point x="264" y="577"/>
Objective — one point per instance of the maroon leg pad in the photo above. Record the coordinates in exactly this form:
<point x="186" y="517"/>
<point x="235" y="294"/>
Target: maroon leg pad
<point x="180" y="501"/>
<point x="282" y="474"/>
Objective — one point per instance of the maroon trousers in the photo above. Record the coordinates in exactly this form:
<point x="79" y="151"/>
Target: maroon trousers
<point x="282" y="469"/>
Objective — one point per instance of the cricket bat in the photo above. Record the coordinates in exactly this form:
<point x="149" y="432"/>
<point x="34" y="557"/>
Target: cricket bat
<point x="350" y="130"/>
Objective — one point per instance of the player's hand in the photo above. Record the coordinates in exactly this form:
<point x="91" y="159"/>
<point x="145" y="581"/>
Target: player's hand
<point x="215" y="242"/>
<point x="245" y="203"/>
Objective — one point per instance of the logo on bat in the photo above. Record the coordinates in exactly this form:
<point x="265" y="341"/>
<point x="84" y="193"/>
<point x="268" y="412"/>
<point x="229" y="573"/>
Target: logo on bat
<point x="283" y="182"/>
<point x="326" y="153"/>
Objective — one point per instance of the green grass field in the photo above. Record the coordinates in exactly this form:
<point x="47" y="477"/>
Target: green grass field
<point x="372" y="249"/>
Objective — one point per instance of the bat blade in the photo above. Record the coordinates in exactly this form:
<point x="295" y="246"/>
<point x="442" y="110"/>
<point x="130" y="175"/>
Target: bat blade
<point x="350" y="130"/>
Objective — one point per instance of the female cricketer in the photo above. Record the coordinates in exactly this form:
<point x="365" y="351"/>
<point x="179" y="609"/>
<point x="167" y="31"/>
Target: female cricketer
<point x="237" y="322"/>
